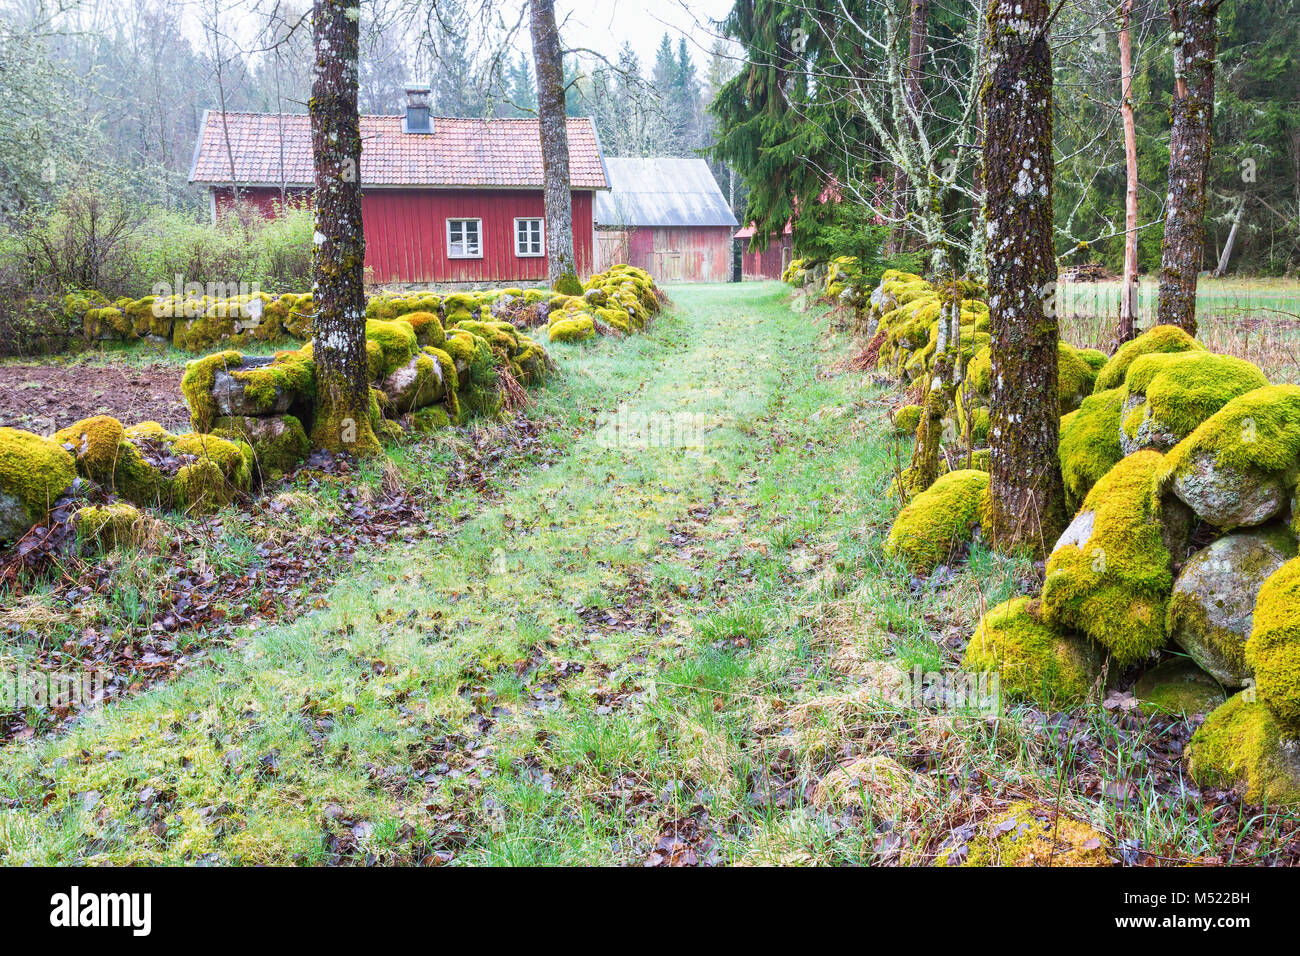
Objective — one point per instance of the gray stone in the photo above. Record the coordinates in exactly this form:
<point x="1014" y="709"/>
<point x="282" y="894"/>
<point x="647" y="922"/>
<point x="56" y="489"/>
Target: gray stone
<point x="1178" y="687"/>
<point x="233" y="398"/>
<point x="1228" y="497"/>
<point x="1213" y="602"/>
<point x="416" y="384"/>
<point x="1151" y="433"/>
<point x="1078" y="533"/>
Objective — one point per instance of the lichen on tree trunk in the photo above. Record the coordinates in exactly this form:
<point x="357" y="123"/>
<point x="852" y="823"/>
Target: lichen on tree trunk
<point x="1193" y="25"/>
<point x="548" y="61"/>
<point x="1026" y="490"/>
<point x="343" y="410"/>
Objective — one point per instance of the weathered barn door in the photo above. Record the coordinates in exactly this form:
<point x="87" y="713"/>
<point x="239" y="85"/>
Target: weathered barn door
<point x="669" y="265"/>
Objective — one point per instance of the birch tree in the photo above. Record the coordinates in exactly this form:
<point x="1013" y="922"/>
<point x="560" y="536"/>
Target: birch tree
<point x="548" y="64"/>
<point x="1027" y="499"/>
<point x="342" y="415"/>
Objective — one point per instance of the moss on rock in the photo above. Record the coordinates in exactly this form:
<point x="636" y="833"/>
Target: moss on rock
<point x="1162" y="338"/>
<point x="1033" y="660"/>
<point x="1273" y="649"/>
<point x="1027" y="834"/>
<point x="572" y="330"/>
<point x="1110" y="574"/>
<point x="34" y="473"/>
<point x="1242" y="746"/>
<point x="939" y="520"/>
<point x="1170" y="394"/>
<point x="1178" y="686"/>
<point x="93" y="443"/>
<point x="1089" y="443"/>
<point x="116" y="525"/>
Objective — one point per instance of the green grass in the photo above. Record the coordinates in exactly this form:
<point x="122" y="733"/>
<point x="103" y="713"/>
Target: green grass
<point x="591" y="653"/>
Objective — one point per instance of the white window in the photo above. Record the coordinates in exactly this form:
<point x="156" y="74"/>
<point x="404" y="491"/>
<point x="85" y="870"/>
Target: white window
<point x="528" y="238"/>
<point x="465" y="238"/>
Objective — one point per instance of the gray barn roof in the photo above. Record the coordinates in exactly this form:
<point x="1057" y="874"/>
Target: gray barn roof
<point x="661" y="192"/>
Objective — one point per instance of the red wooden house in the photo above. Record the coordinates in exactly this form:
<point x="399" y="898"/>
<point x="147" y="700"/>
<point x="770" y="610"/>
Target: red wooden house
<point x="444" y="200"/>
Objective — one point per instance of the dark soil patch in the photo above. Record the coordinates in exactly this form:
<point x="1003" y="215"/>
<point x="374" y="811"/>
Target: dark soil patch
<point x="45" y="398"/>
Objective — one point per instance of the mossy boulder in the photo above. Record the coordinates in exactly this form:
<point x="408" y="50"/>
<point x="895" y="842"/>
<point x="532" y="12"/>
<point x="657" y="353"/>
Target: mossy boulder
<point x="1110" y="574"/>
<point x="1033" y="660"/>
<point x="572" y="330"/>
<point x="1075" y="377"/>
<point x="1170" y="394"/>
<point x="1089" y="444"/>
<point x="414" y="385"/>
<point x="1243" y="747"/>
<point x="906" y="419"/>
<point x="116" y="525"/>
<point x="1273" y="649"/>
<point x="1029" y="834"/>
<point x="1212" y="606"/>
<point x="397" y="343"/>
<point x="1178" y="686"/>
<point x="940" y="520"/>
<point x="93" y="443"/>
<point x="1161" y="338"/>
<point x="1238" y="467"/>
<point x="216" y="472"/>
<point x="34" y="474"/>
<point x="228" y="384"/>
<point x="278" y="442"/>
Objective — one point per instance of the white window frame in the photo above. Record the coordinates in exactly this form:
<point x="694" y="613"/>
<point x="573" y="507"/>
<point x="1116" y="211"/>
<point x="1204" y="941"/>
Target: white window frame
<point x="478" y="253"/>
<point x="541" y="237"/>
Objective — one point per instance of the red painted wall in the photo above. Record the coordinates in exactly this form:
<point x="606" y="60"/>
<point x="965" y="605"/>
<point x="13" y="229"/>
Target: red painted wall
<point x="671" y="253"/>
<point x="406" y="232"/>
<point x="768" y="264"/>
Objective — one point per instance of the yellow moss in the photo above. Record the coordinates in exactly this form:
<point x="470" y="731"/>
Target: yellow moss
<point x="34" y="473"/>
<point x="94" y="444"/>
<point x="1114" y="586"/>
<point x="1273" y="648"/>
<point x="117" y="525"/>
<point x="572" y="330"/>
<point x="1242" y="746"/>
<point x="1027" y="834"/>
<point x="939" y="520"/>
<point x="1089" y="443"/>
<point x="1162" y="338"/>
<point x="1034" y="661"/>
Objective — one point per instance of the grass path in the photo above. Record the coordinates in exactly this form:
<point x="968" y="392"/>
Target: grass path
<point x="599" y="666"/>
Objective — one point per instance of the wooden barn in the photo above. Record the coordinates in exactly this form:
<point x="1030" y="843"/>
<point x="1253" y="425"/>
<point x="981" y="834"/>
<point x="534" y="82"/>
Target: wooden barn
<point x="445" y="201"/>
<point x="666" y="216"/>
<point x="771" y="262"/>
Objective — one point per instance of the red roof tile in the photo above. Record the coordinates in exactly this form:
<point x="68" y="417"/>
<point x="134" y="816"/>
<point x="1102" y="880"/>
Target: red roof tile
<point x="503" y="153"/>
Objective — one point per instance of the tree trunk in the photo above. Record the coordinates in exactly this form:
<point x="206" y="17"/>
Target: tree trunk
<point x="548" y="61"/>
<point x="1128" y="294"/>
<point x="1027" y="499"/>
<point x="917" y="37"/>
<point x="1222" y="268"/>
<point x="342" y="415"/>
<point x="1193" y="24"/>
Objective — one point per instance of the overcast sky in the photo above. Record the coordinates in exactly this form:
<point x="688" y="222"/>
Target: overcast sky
<point x="604" y="25"/>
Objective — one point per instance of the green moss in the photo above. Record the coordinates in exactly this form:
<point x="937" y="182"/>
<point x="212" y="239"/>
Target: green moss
<point x="105" y="527"/>
<point x="568" y="284"/>
<point x="220" y="473"/>
<point x="906" y="419"/>
<point x="1112" y="581"/>
<point x="1242" y="746"/>
<point x="1183" y="389"/>
<point x="1162" y="338"/>
<point x="939" y="520"/>
<point x="1095" y="358"/>
<point x="196" y="386"/>
<point x="278" y="443"/>
<point x="572" y="330"/>
<point x="1026" y="834"/>
<point x="1075" y="377"/>
<point x="1273" y="648"/>
<point x="1034" y="661"/>
<point x="1089" y="443"/>
<point x="34" y="473"/>
<point x="93" y="443"/>
<point x="1257" y="432"/>
<point x="427" y="327"/>
<point x="396" y="340"/>
<point x="1178" y="686"/>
